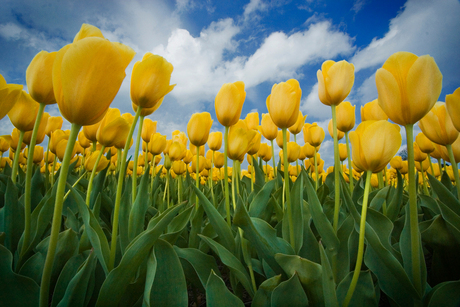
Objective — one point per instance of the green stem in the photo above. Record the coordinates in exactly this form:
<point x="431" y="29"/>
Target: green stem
<point x="121" y="179"/>
<point x="362" y="229"/>
<point x="350" y="167"/>
<point x="336" y="170"/>
<point x="288" y="192"/>
<point x="316" y="171"/>
<point x="212" y="180"/>
<point x="425" y="188"/>
<point x="57" y="216"/>
<point x="197" y="173"/>
<point x="440" y="166"/>
<point x="28" y="185"/>
<point x="252" y="174"/>
<point x="75" y="184"/>
<point x="431" y="165"/>
<point x="227" y="196"/>
<point x="119" y="153"/>
<point x="54" y="170"/>
<point x="91" y="178"/>
<point x="136" y="157"/>
<point x="414" y="230"/>
<point x="297" y="160"/>
<point x="454" y="168"/>
<point x="153" y="175"/>
<point x="380" y="177"/>
<point x="179" y="188"/>
<point x="47" y="170"/>
<point x="14" y="171"/>
<point x="275" y="171"/>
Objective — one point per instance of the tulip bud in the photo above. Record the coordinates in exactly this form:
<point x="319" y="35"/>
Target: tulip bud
<point x="40" y="131"/>
<point x="313" y="134"/>
<point x="157" y="144"/>
<point x="283" y="103"/>
<point x="22" y="115"/>
<point x="424" y="143"/>
<point x="229" y="103"/>
<point x="335" y="80"/>
<point x="149" y="127"/>
<point x="268" y="128"/>
<point x="113" y="129"/>
<point x="373" y="111"/>
<point x="198" y="128"/>
<point x="218" y="159"/>
<point x="343" y="154"/>
<point x="215" y="140"/>
<point x="437" y="125"/>
<point x="252" y="120"/>
<point x="345" y="116"/>
<point x="39" y="77"/>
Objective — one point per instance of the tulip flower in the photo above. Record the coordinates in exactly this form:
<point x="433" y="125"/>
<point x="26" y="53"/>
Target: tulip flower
<point x="53" y="123"/>
<point x="39" y="77"/>
<point x="218" y="159"/>
<point x="215" y="140"/>
<point x="340" y="134"/>
<point x="345" y="116"/>
<point x="239" y="140"/>
<point x="293" y="152"/>
<point x="408" y="87"/>
<point x="157" y="144"/>
<point x="374" y="143"/>
<point x="149" y="127"/>
<point x="268" y="128"/>
<point x="283" y="103"/>
<point x="419" y="156"/>
<point x="373" y="111"/>
<point x="229" y="103"/>
<point x="90" y="132"/>
<point x="93" y="164"/>
<point x="177" y="151"/>
<point x="313" y="134"/>
<point x="280" y="139"/>
<point x="437" y="125"/>
<point x="298" y="126"/>
<point x="22" y="115"/>
<point x="453" y="107"/>
<point x="335" y="80"/>
<point x="9" y="94"/>
<point x="252" y="120"/>
<point x="198" y="128"/>
<point x="343" y="152"/>
<point x="179" y="167"/>
<point x="113" y="129"/>
<point x="40" y="134"/>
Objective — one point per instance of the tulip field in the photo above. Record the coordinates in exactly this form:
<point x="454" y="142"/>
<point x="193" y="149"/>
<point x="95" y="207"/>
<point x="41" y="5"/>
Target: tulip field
<point x="103" y="216"/>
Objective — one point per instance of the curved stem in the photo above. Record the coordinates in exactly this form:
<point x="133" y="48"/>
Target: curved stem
<point x="57" y="216"/>
<point x="91" y="178"/>
<point x="227" y="196"/>
<point x="136" y="157"/>
<point x="288" y="192"/>
<point x="275" y="171"/>
<point x="336" y="170"/>
<point x="14" y="171"/>
<point x="413" y="217"/>
<point x="454" y="168"/>
<point x="121" y="179"/>
<point x="28" y="185"/>
<point x="350" y="169"/>
<point x="362" y="229"/>
<point x="316" y="171"/>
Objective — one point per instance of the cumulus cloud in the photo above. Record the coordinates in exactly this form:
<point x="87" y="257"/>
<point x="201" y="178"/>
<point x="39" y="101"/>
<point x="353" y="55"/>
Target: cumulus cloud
<point x="313" y="107"/>
<point x="423" y="27"/>
<point x="202" y="64"/>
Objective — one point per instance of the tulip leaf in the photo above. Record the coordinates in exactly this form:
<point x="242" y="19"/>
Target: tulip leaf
<point x="290" y="293"/>
<point x="98" y="184"/>
<point x="263" y="296"/>
<point x="201" y="262"/>
<point x="259" y="203"/>
<point x="139" y="208"/>
<point x="13" y="217"/>
<point x="297" y="216"/>
<point x="68" y="272"/>
<point x="94" y="231"/>
<point x="152" y="265"/>
<point x="228" y="259"/>
<point x="125" y="208"/>
<point x="310" y="275"/>
<point x="15" y="290"/>
<point x="395" y="204"/>
<point x="364" y="294"/>
<point x="218" y="295"/>
<point x="344" y="233"/>
<point x="217" y="221"/>
<point x="260" y="177"/>
<point x="37" y="186"/>
<point x="330" y="296"/>
<point x="322" y="223"/>
<point x="262" y="237"/>
<point x="452" y="220"/>
<point x="310" y="248"/>
<point x="444" y="294"/>
<point x="119" y="278"/>
<point x="445" y="195"/>
<point x="169" y="287"/>
<point x="79" y="287"/>
<point x="177" y="225"/>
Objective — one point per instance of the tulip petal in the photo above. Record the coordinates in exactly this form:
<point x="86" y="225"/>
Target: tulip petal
<point x="339" y="81"/>
<point x="390" y="96"/>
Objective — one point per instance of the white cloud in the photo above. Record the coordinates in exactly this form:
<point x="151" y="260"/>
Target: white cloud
<point x="358" y="5"/>
<point x="423" y="27"/>
<point x="202" y="64"/>
<point x="313" y="107"/>
<point x="254" y="6"/>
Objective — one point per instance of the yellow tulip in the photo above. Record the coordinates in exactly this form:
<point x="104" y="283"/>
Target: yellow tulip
<point x="437" y="125"/>
<point x="82" y="139"/>
<point x="61" y="146"/>
<point x="298" y="126"/>
<point x="408" y="86"/>
<point x="179" y="167"/>
<point x="157" y="144"/>
<point x="177" y="151"/>
<point x="255" y="144"/>
<point x="424" y="167"/>
<point x="150" y="81"/>
<point x="313" y="134"/>
<point x="283" y="103"/>
<point x="9" y="94"/>
<point x="419" y="156"/>
<point x="343" y="154"/>
<point x="53" y="123"/>
<point x="179" y="136"/>
<point x="373" y="111"/>
<point x="215" y="140"/>
<point x="279" y="138"/>
<point x="268" y="128"/>
<point x="198" y="128"/>
<point x="38" y="154"/>
<point x="335" y="80"/>
<point x="425" y="145"/>
<point x="40" y="132"/>
<point x="201" y="163"/>
<point x="91" y="161"/>
<point x="149" y="127"/>
<point x="340" y="134"/>
<point x="15" y="139"/>
<point x="39" y="77"/>
<point x="4" y="143"/>
<point x="263" y="150"/>
<point x="455" y="150"/>
<point x="113" y="129"/>
<point x="189" y="156"/>
<point x="308" y="150"/>
<point x="396" y="162"/>
<point x="374" y="143"/>
<point x="293" y="152"/>
<point x="193" y="149"/>
<point x="218" y="159"/>
<point x="437" y="151"/>
<point x="229" y="103"/>
<point x="87" y="75"/>
<point x="252" y="120"/>
<point x="22" y="115"/>
<point x="345" y="116"/>
<point x="239" y="140"/>
<point x="453" y="107"/>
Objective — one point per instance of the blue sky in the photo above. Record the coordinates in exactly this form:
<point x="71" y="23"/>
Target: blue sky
<point x="260" y="42"/>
